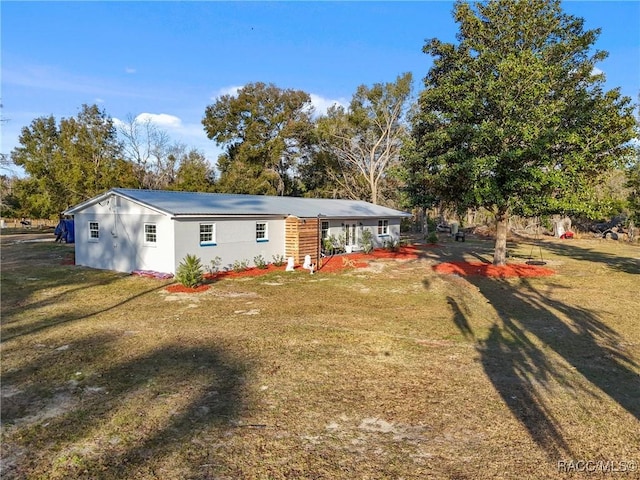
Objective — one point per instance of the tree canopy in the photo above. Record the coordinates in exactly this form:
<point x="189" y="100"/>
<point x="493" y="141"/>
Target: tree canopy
<point x="70" y="162"/>
<point x="514" y="117"/>
<point x="633" y="184"/>
<point x="265" y="132"/>
<point x="194" y="173"/>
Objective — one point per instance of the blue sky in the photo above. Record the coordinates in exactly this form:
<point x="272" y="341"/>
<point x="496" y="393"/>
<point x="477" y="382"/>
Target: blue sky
<point x="169" y="60"/>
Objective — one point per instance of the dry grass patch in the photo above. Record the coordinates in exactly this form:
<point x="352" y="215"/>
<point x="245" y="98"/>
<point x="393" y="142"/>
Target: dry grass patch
<point x="392" y="371"/>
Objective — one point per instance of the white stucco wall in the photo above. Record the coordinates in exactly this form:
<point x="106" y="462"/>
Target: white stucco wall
<point x="235" y="240"/>
<point x="121" y="243"/>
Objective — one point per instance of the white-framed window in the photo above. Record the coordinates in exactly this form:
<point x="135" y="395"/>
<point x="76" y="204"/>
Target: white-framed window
<point x="207" y="234"/>
<point x="262" y="233"/>
<point x="324" y="229"/>
<point x="150" y="234"/>
<point x="94" y="231"/>
<point x="383" y="227"/>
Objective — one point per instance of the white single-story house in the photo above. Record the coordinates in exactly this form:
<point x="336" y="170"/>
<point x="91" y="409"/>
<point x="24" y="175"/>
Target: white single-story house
<point x="127" y="229"/>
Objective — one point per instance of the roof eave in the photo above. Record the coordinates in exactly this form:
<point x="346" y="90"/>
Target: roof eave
<point x="113" y="192"/>
<point x="141" y="203"/>
<point x="188" y="216"/>
<point x="87" y="203"/>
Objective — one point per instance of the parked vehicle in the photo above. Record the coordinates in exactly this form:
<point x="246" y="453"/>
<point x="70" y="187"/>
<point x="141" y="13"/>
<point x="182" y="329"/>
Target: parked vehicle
<point x="611" y="229"/>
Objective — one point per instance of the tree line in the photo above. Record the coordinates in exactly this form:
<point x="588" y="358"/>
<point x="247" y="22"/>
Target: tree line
<point x="513" y="118"/>
<point x="273" y="144"/>
<point x="74" y="159"/>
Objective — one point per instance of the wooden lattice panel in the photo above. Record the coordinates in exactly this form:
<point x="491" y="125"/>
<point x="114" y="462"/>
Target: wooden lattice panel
<point x="301" y="238"/>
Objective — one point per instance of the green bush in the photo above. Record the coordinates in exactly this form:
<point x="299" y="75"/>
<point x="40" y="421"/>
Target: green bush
<point x="366" y="240"/>
<point x="327" y="245"/>
<point x="260" y="262"/>
<point x="392" y="245"/>
<point x="278" y="260"/>
<point x="432" y="238"/>
<point x="190" y="272"/>
<point x="240" y="265"/>
<point x="214" y="265"/>
<point x="406" y="225"/>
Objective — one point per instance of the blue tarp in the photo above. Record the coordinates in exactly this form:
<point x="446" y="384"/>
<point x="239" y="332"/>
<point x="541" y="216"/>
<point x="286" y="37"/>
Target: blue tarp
<point x="65" y="231"/>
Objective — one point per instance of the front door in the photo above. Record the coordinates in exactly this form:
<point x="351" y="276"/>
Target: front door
<point x="351" y="236"/>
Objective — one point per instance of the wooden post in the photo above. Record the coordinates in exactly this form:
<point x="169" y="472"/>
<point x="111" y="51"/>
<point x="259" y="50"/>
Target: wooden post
<point x="319" y="249"/>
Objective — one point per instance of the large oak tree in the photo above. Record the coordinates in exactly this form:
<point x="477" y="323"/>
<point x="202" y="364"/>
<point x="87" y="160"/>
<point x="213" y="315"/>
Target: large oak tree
<point x="515" y="117"/>
<point x="265" y="132"/>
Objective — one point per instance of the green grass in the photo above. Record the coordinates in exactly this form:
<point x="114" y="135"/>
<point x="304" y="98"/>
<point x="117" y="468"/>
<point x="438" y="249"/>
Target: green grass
<point x="387" y="372"/>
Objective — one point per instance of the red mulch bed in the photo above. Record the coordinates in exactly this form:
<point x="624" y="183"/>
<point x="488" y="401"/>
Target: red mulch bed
<point x="329" y="264"/>
<point x="359" y="260"/>
<point x="250" y="272"/>
<point x="178" y="288"/>
<point x="489" y="270"/>
<point x="409" y="252"/>
<point x="341" y="262"/>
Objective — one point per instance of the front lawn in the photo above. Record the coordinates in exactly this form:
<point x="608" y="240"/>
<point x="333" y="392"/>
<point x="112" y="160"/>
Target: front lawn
<point x="392" y="370"/>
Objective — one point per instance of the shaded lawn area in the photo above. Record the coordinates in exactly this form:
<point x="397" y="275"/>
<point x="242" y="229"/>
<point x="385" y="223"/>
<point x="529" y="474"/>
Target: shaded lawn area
<point x="392" y="370"/>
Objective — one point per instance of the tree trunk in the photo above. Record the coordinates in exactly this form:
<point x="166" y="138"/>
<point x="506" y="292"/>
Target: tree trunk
<point x="374" y="192"/>
<point x="424" y="227"/>
<point x="500" y="251"/>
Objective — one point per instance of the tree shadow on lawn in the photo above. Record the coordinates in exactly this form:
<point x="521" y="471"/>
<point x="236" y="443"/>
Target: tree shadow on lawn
<point x="530" y="324"/>
<point x="617" y="262"/>
<point x="448" y="250"/>
<point x="124" y="419"/>
<point x="30" y="268"/>
<point x="10" y="331"/>
<point x="520" y="369"/>
<point x="21" y="287"/>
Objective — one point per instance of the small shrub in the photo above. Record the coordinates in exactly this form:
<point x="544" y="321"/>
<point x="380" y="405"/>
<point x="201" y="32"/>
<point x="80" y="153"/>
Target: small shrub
<point x="260" y="262"/>
<point x="366" y="241"/>
<point x="240" y="265"/>
<point x="278" y="260"/>
<point x="214" y="265"/>
<point x="392" y="245"/>
<point x="327" y="244"/>
<point x="432" y="238"/>
<point x="189" y="272"/>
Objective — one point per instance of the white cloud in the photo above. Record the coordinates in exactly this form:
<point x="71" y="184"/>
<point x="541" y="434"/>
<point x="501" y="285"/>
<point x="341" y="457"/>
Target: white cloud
<point x="322" y="104"/>
<point x="232" y="90"/>
<point x="117" y="122"/>
<point x="130" y="70"/>
<point x="163" y="120"/>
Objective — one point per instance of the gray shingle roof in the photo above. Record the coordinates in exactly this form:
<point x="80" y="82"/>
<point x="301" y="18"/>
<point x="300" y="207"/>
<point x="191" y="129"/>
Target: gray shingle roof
<point x="190" y="203"/>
